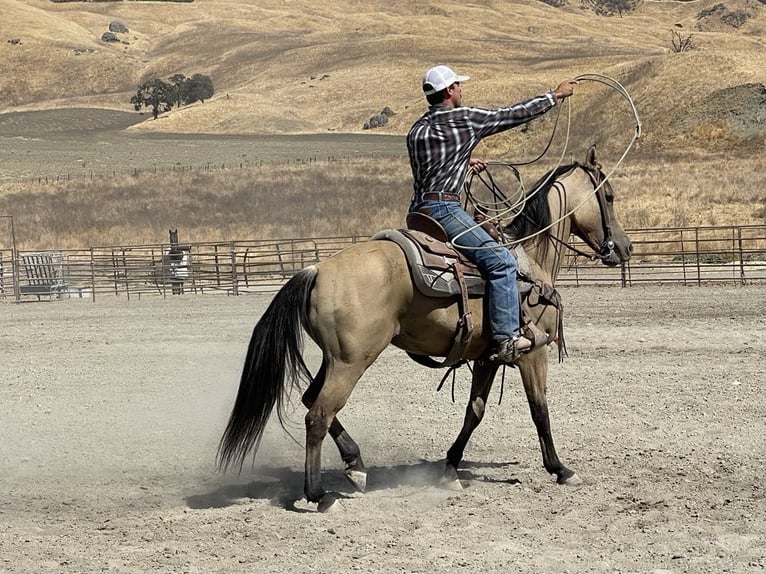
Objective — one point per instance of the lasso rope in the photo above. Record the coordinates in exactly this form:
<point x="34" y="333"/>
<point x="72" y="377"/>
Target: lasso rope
<point x="499" y="213"/>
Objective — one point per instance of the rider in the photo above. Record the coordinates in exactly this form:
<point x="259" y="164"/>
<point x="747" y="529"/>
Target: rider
<point x="440" y="145"/>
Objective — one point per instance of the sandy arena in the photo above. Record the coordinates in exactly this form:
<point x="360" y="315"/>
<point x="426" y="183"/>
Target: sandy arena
<point x="110" y="414"/>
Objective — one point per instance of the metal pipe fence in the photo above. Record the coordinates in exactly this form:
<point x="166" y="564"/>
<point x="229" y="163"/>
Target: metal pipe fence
<point x="683" y="255"/>
<point x="688" y="256"/>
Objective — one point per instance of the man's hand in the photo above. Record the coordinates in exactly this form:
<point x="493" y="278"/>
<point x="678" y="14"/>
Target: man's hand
<point x="564" y="89"/>
<point x="477" y="165"/>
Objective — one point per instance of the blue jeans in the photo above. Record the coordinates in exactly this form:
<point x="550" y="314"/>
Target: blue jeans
<point x="497" y="265"/>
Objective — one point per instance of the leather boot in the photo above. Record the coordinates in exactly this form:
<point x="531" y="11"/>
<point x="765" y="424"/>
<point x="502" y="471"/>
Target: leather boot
<point x="509" y="350"/>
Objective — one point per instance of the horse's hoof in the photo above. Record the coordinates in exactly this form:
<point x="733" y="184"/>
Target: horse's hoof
<point x="571" y="480"/>
<point x="450" y="480"/>
<point x="453" y="485"/>
<point x="302" y="505"/>
<point x="357" y="478"/>
<point x="328" y="503"/>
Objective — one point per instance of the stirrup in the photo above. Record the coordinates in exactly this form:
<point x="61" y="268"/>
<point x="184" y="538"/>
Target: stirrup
<point x="538" y="337"/>
<point x="507" y="351"/>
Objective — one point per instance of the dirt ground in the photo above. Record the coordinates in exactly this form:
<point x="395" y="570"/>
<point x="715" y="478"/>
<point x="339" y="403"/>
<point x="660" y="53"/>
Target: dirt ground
<point x="110" y="413"/>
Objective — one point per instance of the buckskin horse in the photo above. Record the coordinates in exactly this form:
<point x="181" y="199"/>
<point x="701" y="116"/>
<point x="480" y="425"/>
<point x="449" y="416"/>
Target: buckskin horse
<point x="362" y="299"/>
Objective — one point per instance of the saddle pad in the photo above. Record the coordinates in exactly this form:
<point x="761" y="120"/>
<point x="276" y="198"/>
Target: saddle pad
<point x="431" y="280"/>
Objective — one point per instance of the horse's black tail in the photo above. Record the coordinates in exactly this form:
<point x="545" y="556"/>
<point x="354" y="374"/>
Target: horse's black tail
<point x="273" y="366"/>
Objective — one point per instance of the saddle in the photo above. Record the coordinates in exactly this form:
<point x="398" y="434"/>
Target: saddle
<point x="439" y="270"/>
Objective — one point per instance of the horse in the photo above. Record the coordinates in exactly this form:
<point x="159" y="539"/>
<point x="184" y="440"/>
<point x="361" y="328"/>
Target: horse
<point x="362" y="299"/>
<point x="175" y="263"/>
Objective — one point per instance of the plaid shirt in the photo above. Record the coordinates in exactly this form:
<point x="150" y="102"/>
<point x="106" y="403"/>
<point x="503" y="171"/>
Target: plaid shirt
<point x="440" y="143"/>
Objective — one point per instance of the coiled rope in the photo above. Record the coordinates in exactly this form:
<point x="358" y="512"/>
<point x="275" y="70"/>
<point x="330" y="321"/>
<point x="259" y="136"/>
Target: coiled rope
<point x="497" y="209"/>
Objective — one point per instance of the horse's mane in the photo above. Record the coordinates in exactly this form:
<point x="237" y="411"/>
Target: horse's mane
<point x="536" y="213"/>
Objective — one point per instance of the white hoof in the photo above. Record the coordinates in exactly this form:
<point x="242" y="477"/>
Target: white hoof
<point x="358" y="479"/>
<point x="573" y="480"/>
<point x="453" y="485"/>
<point x="449" y="479"/>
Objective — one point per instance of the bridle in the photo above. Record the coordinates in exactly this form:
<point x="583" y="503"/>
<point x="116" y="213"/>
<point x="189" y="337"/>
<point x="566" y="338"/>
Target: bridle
<point x="604" y="251"/>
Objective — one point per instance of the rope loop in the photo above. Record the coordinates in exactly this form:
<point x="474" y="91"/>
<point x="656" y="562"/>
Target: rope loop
<point x="501" y="206"/>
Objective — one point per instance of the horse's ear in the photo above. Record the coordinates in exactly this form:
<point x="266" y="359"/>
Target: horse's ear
<point x="591" y="157"/>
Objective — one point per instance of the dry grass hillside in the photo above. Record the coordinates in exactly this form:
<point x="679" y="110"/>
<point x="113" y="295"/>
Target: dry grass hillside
<point x="307" y="67"/>
<point x="312" y="67"/>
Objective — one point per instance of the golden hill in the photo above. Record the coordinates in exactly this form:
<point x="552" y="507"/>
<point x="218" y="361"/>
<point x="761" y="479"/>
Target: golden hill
<point x="308" y="67"/>
<point x="301" y="66"/>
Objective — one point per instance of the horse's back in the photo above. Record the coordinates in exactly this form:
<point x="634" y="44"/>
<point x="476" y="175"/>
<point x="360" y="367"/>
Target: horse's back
<point x="358" y="297"/>
<point x="371" y="270"/>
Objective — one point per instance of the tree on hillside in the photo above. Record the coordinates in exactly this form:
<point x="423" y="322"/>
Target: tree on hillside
<point x="681" y="43"/>
<point x="177" y="82"/>
<point x="198" y="88"/>
<point x="611" y="7"/>
<point x="155" y="94"/>
<point x="179" y="90"/>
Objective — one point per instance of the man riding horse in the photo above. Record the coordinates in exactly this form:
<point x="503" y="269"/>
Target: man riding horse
<point x="440" y="144"/>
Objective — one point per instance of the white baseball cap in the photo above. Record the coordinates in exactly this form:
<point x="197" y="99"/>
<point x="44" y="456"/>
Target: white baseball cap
<point x="440" y="77"/>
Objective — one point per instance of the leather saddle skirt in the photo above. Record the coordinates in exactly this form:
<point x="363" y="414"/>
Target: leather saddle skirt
<point x="433" y="262"/>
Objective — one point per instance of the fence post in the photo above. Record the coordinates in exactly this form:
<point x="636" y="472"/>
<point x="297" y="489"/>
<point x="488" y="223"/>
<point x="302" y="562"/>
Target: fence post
<point x="623" y="274"/>
<point x="217" y="266"/>
<point x="234" y="285"/>
<point x="116" y="275"/>
<point x="279" y="258"/>
<point x="92" y="276"/>
<point x="15" y="271"/>
<point x="245" y="267"/>
<point x="126" y="272"/>
<point x="683" y="256"/>
<point x="742" y="277"/>
<point x="697" y="253"/>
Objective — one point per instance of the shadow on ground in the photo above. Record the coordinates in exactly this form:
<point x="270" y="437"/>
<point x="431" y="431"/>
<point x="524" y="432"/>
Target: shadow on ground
<point x="283" y="485"/>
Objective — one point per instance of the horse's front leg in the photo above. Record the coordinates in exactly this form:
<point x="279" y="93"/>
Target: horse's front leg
<point x="355" y="472"/>
<point x="534" y="374"/>
<point x="481" y="383"/>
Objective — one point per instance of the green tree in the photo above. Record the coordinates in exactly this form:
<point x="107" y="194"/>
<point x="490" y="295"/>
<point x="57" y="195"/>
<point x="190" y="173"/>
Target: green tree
<point x="611" y="7"/>
<point x="177" y="83"/>
<point x="162" y="96"/>
<point x="155" y="94"/>
<point x="197" y="88"/>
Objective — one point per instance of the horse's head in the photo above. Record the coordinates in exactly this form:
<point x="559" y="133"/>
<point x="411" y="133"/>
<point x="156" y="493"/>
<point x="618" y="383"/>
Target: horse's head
<point x="173" y="234"/>
<point x="572" y="199"/>
<point x="594" y="220"/>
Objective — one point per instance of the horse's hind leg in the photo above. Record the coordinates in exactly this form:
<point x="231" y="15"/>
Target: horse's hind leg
<point x="534" y="374"/>
<point x="481" y="383"/>
<point x="340" y="381"/>
<point x="355" y="471"/>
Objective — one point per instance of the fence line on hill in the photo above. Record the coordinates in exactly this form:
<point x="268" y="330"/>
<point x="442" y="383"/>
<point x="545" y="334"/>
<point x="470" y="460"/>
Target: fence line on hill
<point x="687" y="256"/>
<point x="206" y="167"/>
